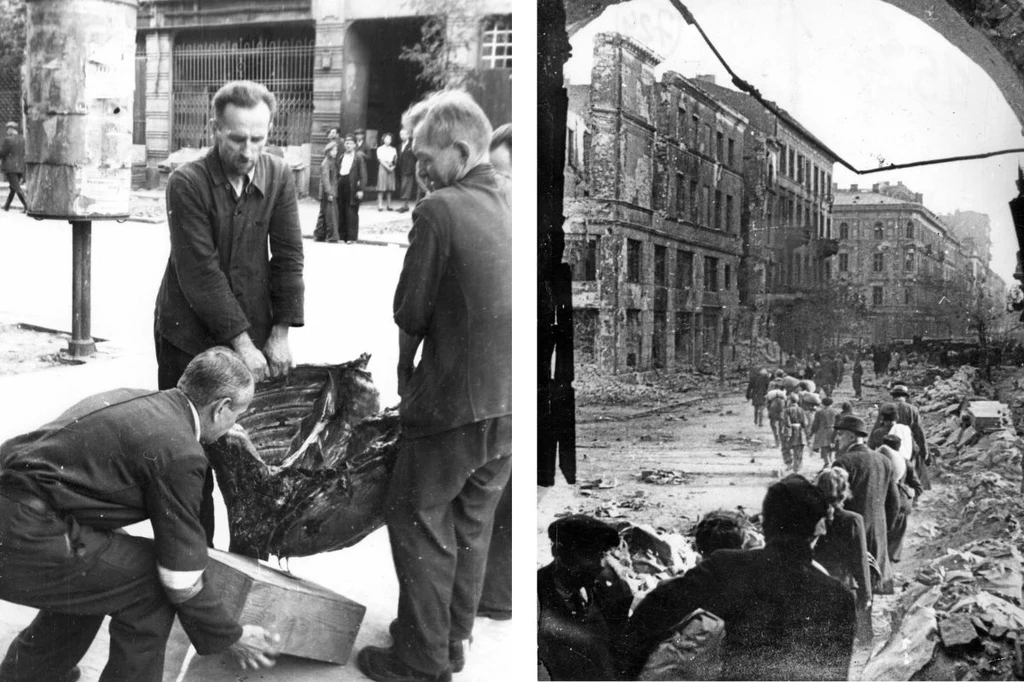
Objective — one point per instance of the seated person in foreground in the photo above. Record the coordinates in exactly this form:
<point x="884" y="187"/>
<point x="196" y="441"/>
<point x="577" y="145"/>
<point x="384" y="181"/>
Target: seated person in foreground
<point x="583" y="604"/>
<point x="785" y="619"/>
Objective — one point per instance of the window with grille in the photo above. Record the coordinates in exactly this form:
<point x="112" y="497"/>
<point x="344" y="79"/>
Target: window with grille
<point x="878" y="262"/>
<point x="844" y="262"/>
<point x="496" y="43"/>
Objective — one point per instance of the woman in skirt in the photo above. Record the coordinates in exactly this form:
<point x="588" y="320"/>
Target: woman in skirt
<point x="386" y="157"/>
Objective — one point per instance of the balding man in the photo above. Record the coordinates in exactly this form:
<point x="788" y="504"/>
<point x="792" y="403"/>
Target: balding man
<point x="112" y="460"/>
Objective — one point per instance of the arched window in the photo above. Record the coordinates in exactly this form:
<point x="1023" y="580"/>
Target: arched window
<point x="879" y="232"/>
<point x="844" y="231"/>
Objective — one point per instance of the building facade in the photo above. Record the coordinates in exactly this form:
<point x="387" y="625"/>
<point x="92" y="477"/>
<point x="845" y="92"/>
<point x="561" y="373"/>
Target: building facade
<point x="654" y="191"/>
<point x="909" y="265"/>
<point x="787" y="218"/>
<point x="331" y="63"/>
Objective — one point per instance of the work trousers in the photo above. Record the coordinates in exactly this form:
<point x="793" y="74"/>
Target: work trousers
<point x="776" y="425"/>
<point x="14" y="181"/>
<point x="440" y="535"/>
<point x="77" y="575"/>
<point x="497" y="593"/>
<point x="348" y="214"/>
<point x="171" y="362"/>
<point x="856" y="385"/>
<point x="327" y="220"/>
<point x="758" y="414"/>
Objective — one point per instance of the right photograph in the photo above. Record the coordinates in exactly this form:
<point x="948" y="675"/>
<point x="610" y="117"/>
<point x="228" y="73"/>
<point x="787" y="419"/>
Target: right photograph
<point x="780" y="340"/>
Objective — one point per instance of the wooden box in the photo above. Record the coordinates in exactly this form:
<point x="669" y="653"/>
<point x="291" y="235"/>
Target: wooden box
<point x="313" y="621"/>
<point x="989" y="415"/>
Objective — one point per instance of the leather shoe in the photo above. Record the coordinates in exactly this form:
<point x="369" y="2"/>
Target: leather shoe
<point x="456" y="650"/>
<point x="382" y="665"/>
<point x="494" y="614"/>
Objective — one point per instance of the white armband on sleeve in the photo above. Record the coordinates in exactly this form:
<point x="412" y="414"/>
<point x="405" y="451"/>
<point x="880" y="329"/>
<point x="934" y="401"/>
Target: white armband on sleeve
<point x="180" y="585"/>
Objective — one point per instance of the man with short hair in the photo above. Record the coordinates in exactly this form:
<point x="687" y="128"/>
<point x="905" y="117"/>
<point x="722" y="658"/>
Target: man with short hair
<point x="223" y="285"/>
<point x="454" y="299"/>
<point x="908" y="415"/>
<point x="12" y="163"/>
<point x="821" y="431"/>
<point x="112" y="460"/>
<point x="785" y="619"/>
<point x="874" y="494"/>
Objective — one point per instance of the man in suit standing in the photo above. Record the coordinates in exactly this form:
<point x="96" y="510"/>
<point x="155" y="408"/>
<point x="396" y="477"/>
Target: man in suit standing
<point x="407" y="170"/>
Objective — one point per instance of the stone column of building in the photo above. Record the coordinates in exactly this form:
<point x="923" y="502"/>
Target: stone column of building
<point x="158" y="96"/>
<point x="327" y="91"/>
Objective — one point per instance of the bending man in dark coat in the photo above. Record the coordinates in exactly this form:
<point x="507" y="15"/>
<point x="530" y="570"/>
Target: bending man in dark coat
<point x="785" y="619"/>
<point x="112" y="460"/>
<point x="454" y="298"/>
<point x="874" y="494"/>
<point x="234" y="276"/>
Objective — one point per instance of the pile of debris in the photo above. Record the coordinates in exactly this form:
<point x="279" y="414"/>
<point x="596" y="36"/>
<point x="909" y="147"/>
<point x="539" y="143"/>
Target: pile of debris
<point x="945" y="393"/>
<point x="643" y="389"/>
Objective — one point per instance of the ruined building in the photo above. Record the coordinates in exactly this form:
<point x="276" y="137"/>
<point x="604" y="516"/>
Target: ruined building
<point x="653" y="197"/>
<point x="787" y="222"/>
<point x="331" y="63"/>
<point x="909" y="265"/>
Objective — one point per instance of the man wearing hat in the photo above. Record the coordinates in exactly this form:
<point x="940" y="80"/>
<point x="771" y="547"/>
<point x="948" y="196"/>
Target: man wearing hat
<point x="908" y="414"/>
<point x="12" y="163"/>
<point x="874" y="494"/>
<point x="584" y="605"/>
<point x="785" y="619"/>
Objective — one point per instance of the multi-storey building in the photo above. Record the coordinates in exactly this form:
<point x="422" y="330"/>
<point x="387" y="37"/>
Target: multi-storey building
<point x="787" y="221"/>
<point x="654" y="190"/>
<point x="908" y="264"/>
<point x="331" y="63"/>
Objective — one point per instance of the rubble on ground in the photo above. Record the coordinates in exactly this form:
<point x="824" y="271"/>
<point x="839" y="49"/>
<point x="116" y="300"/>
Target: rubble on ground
<point x="962" y="618"/>
<point x="665" y="477"/>
<point x="641" y="389"/>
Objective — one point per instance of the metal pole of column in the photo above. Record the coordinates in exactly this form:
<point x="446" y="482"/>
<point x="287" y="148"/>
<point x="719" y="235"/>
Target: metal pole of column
<point x="81" y="344"/>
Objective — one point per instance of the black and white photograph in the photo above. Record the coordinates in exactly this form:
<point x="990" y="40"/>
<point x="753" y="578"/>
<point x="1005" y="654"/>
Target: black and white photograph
<point x="256" y="341"/>
<point x="780" y="339"/>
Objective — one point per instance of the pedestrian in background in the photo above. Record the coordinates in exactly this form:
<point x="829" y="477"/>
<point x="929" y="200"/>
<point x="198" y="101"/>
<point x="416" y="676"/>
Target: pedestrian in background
<point x="12" y="163"/>
<point x="858" y="376"/>
<point x="794" y="434"/>
<point x="327" y="221"/>
<point x="757" y="393"/>
<point x="407" y="170"/>
<point x="821" y="431"/>
<point x="386" y="157"/>
<point x="776" y="405"/>
<point x="351" y="181"/>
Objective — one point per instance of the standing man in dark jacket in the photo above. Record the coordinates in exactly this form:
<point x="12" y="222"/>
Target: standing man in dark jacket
<point x="454" y="298"/>
<point x="351" y="181"/>
<point x="112" y="460"/>
<point x="873" y="490"/>
<point x="757" y="393"/>
<point x="785" y="618"/>
<point x="12" y="163"/>
<point x="223" y="285"/>
<point x="407" y="170"/>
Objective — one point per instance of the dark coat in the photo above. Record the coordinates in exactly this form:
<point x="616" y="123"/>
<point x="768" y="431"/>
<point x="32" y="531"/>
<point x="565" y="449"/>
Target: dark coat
<point x="575" y="635"/>
<point x="843" y="551"/>
<point x="12" y="154"/>
<point x="406" y="160"/>
<point x="822" y="427"/>
<point x="221" y="277"/>
<point x="784" y="618"/>
<point x="757" y="388"/>
<point x="874" y="496"/>
<point x="356" y="177"/>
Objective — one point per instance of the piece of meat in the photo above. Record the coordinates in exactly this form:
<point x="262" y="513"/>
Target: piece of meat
<point x="306" y="468"/>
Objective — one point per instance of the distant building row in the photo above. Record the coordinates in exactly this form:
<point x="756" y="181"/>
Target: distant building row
<point x="694" y="213"/>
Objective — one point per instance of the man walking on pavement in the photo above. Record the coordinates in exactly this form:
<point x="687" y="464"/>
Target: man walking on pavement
<point x="822" y="431"/>
<point x="112" y="460"/>
<point x="12" y="163"/>
<point x="223" y="284"/>
<point x="453" y="297"/>
<point x="875" y="495"/>
<point x="776" y="398"/>
<point x="757" y="394"/>
<point x="909" y="415"/>
<point x="794" y="434"/>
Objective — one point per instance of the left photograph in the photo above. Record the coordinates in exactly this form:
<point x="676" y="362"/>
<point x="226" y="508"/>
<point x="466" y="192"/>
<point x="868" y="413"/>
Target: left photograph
<point x="256" y="340"/>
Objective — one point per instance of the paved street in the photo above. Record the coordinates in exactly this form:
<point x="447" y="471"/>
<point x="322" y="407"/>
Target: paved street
<point x="349" y="291"/>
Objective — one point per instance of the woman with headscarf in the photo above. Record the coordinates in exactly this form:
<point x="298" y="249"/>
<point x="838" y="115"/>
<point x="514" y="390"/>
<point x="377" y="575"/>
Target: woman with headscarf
<point x="843" y="550"/>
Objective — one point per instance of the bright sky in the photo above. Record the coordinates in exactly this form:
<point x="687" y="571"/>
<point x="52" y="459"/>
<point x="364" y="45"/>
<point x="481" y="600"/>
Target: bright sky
<point x="867" y="79"/>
